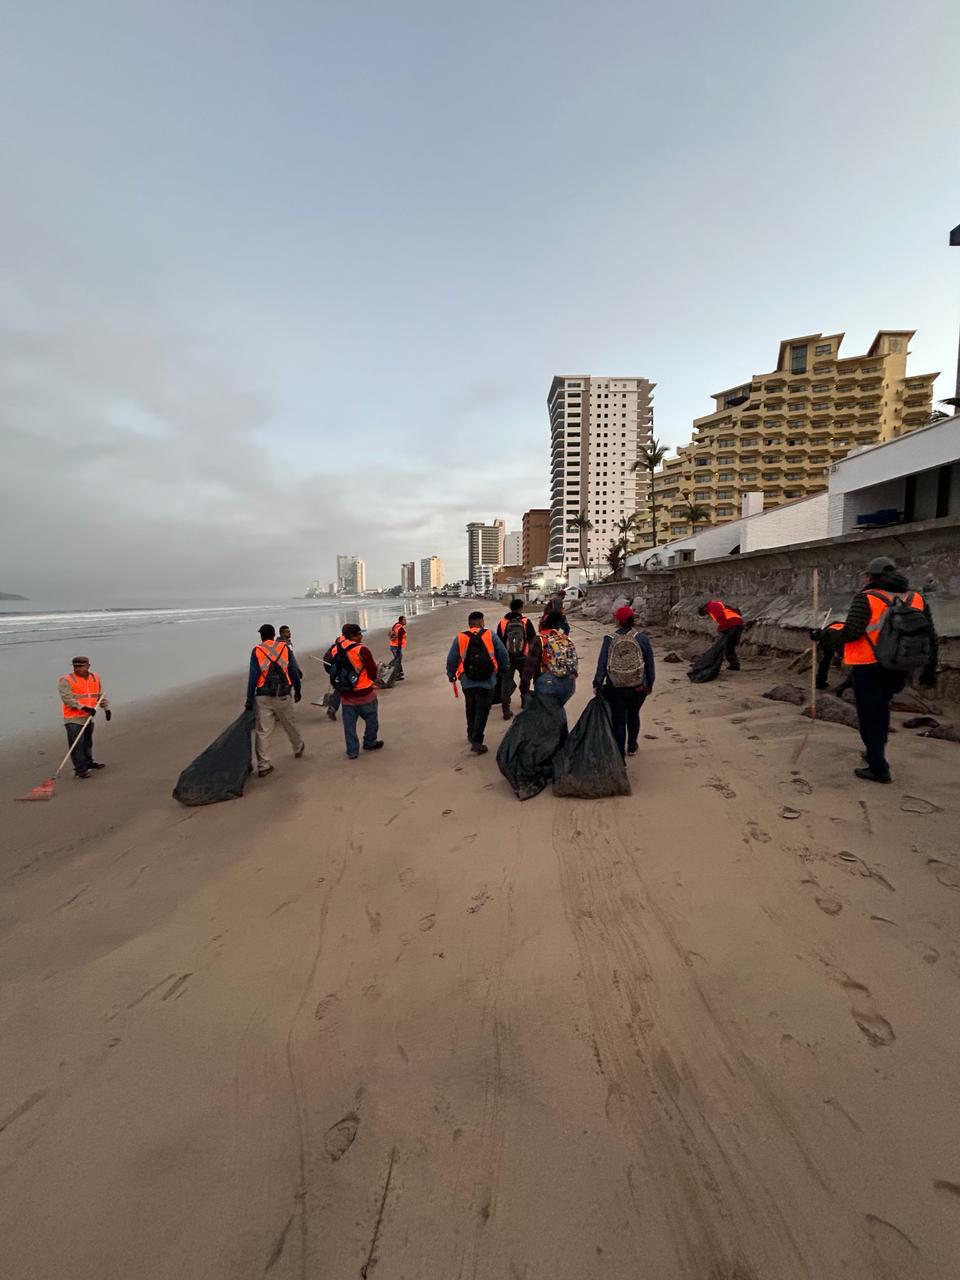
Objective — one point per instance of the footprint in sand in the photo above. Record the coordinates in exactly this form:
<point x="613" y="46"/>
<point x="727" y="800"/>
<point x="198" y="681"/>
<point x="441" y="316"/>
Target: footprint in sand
<point x="803" y="786"/>
<point x="832" y="906"/>
<point x="427" y="923"/>
<point x="757" y="833"/>
<point x="873" y="1024"/>
<point x="339" y="1138"/>
<point x="717" y="784"/>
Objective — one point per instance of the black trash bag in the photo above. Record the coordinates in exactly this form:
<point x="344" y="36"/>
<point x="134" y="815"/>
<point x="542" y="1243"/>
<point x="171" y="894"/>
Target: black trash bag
<point x="590" y="764"/>
<point x="707" y="666"/>
<point x="525" y="755"/>
<point x="220" y="772"/>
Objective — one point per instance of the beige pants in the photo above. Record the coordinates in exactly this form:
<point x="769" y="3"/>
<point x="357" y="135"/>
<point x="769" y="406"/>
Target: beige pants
<point x="271" y="712"/>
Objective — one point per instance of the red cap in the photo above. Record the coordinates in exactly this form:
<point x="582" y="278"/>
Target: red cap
<point x="624" y="615"/>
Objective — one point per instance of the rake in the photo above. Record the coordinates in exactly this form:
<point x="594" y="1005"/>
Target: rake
<point x="45" y="790"/>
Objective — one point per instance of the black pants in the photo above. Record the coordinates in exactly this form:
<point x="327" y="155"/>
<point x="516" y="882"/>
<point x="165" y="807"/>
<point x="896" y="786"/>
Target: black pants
<point x="477" y="703"/>
<point x="731" y="639"/>
<point x="625" y="707"/>
<point x="825" y="657"/>
<point x="83" y="755"/>
<point x="874" y="688"/>
<point x="507" y="683"/>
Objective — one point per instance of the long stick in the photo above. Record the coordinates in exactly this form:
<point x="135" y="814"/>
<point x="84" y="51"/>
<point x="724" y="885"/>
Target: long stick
<point x="813" y="646"/>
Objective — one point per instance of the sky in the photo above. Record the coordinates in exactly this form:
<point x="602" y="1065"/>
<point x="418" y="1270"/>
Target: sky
<point x="281" y="280"/>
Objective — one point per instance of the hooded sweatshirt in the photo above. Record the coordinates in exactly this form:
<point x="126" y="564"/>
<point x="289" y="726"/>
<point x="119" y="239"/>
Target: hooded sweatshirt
<point x="858" y="619"/>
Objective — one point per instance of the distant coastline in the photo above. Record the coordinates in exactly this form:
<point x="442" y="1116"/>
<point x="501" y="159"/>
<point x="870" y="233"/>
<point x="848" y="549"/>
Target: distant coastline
<point x="6" y="595"/>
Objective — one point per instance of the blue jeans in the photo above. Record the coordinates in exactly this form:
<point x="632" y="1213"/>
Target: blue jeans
<point x="560" y="687"/>
<point x="397" y="658"/>
<point x="369" y="714"/>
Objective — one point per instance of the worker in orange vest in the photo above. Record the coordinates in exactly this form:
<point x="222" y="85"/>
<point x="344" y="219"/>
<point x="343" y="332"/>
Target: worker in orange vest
<point x="81" y="694"/>
<point x="353" y="671"/>
<point x="398" y="642"/>
<point x="876" y="681"/>
<point x="729" y="625"/>
<point x="273" y="677"/>
<point x="476" y="658"/>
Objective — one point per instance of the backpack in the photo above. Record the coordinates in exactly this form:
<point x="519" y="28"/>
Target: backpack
<point x="625" y="669"/>
<point x="275" y="683"/>
<point x="559" y="655"/>
<point x="343" y="674"/>
<point x="905" y="641"/>
<point x="515" y="636"/>
<point x="477" y="664"/>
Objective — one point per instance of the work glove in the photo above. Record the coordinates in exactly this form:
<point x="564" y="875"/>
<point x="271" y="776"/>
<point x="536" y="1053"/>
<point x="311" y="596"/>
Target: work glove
<point x="297" y="696"/>
<point x="816" y="634"/>
<point x="90" y="711"/>
<point x="107" y="715"/>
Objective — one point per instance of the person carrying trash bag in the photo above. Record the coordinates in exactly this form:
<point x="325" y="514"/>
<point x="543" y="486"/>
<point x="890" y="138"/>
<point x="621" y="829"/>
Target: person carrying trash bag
<point x="625" y="675"/>
<point x="525" y="756"/>
<point x="552" y="662"/>
<point x="589" y="765"/>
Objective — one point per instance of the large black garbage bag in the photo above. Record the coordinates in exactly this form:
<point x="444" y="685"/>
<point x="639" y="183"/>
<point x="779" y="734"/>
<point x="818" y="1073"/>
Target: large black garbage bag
<point x="219" y="772"/>
<point x="525" y="755"/>
<point x="590" y="764"/>
<point x="707" y="666"/>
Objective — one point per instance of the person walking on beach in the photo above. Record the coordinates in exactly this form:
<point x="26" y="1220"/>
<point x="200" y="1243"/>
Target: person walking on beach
<point x="283" y="633"/>
<point x="624" y="676"/>
<point x="517" y="634"/>
<point x="476" y="658"/>
<point x="269" y="684"/>
<point x="81" y="693"/>
<point x="398" y="642"/>
<point x="729" y="625"/>
<point x="552" y="662"/>
<point x="555" y="606"/>
<point x="888" y="635"/>
<point x="353" y="673"/>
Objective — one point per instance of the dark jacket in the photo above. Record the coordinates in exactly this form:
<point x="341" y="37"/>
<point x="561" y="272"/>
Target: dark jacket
<point x="858" y="618"/>
<point x="529" y="635"/>
<point x="254" y="675"/>
<point x="649" y="668"/>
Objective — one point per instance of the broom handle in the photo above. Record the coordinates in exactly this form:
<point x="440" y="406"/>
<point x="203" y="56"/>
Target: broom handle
<point x="813" y="643"/>
<point x="83" y="730"/>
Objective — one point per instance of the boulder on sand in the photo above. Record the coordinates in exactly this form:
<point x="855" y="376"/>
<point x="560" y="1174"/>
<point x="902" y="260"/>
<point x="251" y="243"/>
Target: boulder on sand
<point x="836" y="712"/>
<point x="949" y="732"/>
<point x="921" y="722"/>
<point x="786" y="693"/>
<point x="672" y="656"/>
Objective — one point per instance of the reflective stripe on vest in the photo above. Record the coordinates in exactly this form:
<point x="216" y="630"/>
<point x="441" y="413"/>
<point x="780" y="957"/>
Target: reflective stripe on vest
<point x="86" y="690"/>
<point x="464" y="639"/>
<point x="272" y="651"/>
<point x="352" y="650"/>
<point x="860" y="653"/>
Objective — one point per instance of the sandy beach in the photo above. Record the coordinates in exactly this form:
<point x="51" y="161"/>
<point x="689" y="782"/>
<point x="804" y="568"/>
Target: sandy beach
<point x="381" y="1019"/>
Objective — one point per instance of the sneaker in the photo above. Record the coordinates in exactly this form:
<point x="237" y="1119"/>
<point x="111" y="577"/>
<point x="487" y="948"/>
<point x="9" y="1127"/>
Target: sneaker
<point x="374" y="746"/>
<point x="299" y="751"/>
<point x="81" y="773"/>
<point x="869" y="776"/>
<point x="262" y="773"/>
<point x="507" y="713"/>
<point x="95" y="764"/>
<point x="632" y="751"/>
<point x="479" y="748"/>
<point x="352" y="757"/>
<point x="331" y="714"/>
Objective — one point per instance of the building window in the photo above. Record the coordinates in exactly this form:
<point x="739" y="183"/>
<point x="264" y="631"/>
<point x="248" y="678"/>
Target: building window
<point x="798" y="359"/>
<point x="822" y="348"/>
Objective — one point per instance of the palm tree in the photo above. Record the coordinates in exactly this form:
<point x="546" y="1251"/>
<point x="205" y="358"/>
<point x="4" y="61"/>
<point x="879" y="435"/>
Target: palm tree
<point x="694" y="514"/>
<point x="581" y="525"/>
<point x="649" y="457"/>
<point x="615" y="557"/>
<point x="625" y="528"/>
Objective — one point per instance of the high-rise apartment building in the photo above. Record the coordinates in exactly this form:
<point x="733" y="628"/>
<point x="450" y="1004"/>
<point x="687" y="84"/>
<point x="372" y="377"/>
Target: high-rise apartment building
<point x="408" y="576"/>
<point x="535" y="537"/>
<point x="431" y="573"/>
<point x="512" y="543"/>
<point x="351" y="575"/>
<point x="597" y="426"/>
<point x="780" y="432"/>
<point x="484" y="545"/>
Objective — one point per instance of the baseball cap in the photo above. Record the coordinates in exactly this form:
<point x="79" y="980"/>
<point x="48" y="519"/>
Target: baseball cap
<point x="881" y="564"/>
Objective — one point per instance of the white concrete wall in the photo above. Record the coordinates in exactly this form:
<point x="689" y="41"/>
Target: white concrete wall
<point x="802" y="521"/>
<point x="935" y="446"/>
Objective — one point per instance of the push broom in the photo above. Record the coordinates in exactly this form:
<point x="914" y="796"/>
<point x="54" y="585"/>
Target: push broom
<point x="45" y="790"/>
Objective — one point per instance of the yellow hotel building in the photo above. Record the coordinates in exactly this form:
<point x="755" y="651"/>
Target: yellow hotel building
<point x="780" y="432"/>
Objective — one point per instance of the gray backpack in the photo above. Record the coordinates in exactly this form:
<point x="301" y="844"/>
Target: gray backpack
<point x="904" y="642"/>
<point x="625" y="668"/>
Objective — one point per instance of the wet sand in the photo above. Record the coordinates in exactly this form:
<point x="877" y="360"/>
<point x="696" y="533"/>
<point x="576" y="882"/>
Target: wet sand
<point x="379" y="1018"/>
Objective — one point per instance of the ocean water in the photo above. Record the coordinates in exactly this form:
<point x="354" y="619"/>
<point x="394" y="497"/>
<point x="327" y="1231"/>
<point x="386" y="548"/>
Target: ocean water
<point x="139" y="653"/>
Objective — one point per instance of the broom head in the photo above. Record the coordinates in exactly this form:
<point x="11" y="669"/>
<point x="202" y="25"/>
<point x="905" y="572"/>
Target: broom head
<point x="43" y="792"/>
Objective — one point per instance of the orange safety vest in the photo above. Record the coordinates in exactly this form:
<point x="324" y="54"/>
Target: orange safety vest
<point x="394" y="632"/>
<point x="86" y="690"/>
<point x="268" y="651"/>
<point x="352" y="650"/>
<point x="464" y="639"/>
<point x="728" y="614"/>
<point x="860" y="653"/>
